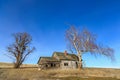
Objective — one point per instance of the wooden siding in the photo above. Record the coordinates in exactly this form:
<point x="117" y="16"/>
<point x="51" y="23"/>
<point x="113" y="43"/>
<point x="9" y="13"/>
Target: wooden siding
<point x="71" y="64"/>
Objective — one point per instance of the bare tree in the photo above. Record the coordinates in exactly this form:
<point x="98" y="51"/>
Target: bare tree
<point x="20" y="49"/>
<point x="84" y="41"/>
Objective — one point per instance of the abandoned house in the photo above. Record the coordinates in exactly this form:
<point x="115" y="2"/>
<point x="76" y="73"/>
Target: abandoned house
<point x="59" y="60"/>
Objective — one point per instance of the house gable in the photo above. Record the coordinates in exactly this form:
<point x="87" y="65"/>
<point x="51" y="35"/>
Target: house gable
<point x="62" y="56"/>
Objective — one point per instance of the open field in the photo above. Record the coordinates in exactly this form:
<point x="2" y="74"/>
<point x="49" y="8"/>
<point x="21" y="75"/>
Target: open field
<point x="32" y="73"/>
<point x="10" y="65"/>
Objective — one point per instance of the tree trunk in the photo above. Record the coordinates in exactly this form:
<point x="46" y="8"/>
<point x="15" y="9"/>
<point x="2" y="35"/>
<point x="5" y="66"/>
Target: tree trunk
<point x="80" y="66"/>
<point x="17" y="65"/>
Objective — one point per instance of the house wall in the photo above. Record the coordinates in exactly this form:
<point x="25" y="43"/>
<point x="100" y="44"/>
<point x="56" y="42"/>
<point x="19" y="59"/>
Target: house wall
<point x="49" y="65"/>
<point x="71" y="64"/>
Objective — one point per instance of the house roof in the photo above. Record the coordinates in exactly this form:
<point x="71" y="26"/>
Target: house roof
<point x="56" y="57"/>
<point x="46" y="60"/>
<point x="49" y="58"/>
<point x="62" y="56"/>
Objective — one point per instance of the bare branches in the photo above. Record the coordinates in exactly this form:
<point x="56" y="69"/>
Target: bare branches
<point x="20" y="49"/>
<point x="85" y="41"/>
<point x="107" y="51"/>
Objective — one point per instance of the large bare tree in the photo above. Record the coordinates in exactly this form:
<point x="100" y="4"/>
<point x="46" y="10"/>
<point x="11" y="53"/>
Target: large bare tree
<point x="20" y="48"/>
<point x="84" y="41"/>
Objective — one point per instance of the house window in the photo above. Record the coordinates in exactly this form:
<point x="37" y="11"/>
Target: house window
<point x="65" y="64"/>
<point x="53" y="65"/>
<point x="76" y="65"/>
<point x="46" y="65"/>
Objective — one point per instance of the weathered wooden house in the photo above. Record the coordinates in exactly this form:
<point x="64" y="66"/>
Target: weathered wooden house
<point x="59" y="60"/>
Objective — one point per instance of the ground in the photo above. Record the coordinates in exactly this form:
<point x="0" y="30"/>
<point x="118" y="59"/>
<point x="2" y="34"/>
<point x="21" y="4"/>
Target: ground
<point x="32" y="73"/>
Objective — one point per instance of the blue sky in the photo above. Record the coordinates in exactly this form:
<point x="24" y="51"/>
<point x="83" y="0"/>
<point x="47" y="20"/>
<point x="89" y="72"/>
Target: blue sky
<point x="46" y="21"/>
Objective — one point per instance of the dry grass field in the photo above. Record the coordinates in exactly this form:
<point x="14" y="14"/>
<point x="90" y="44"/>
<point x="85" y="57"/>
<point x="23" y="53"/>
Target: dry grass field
<point x="9" y="65"/>
<point x="32" y="73"/>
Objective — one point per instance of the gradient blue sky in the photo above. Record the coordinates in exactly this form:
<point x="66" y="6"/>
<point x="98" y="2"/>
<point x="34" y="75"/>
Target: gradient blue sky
<point x="46" y="21"/>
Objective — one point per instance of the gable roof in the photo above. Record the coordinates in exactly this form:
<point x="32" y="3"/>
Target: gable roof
<point x="62" y="56"/>
<point x="46" y="60"/>
<point x="57" y="57"/>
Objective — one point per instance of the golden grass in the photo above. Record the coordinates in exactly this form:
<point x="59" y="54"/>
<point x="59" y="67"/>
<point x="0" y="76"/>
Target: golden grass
<point x="10" y="65"/>
<point x="34" y="74"/>
<point x="31" y="72"/>
<point x="86" y="72"/>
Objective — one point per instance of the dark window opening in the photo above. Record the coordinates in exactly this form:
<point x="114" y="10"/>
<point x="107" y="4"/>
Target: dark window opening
<point x="53" y="65"/>
<point x="65" y="64"/>
<point x="76" y="65"/>
<point x="46" y="65"/>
